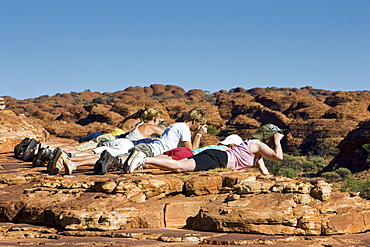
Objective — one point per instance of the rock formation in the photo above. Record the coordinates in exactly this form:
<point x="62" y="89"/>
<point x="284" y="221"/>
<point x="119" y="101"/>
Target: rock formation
<point x="118" y="205"/>
<point x="315" y="120"/>
<point x="145" y="208"/>
<point x="14" y="128"/>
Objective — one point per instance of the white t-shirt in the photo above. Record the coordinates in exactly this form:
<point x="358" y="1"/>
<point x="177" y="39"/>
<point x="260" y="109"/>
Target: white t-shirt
<point x="171" y="138"/>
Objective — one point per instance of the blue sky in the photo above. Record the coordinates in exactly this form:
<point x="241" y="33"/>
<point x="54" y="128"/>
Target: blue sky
<point x="50" y="46"/>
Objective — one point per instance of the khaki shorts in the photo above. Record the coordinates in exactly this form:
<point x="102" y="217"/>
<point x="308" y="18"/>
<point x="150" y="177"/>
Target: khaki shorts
<point x="143" y="147"/>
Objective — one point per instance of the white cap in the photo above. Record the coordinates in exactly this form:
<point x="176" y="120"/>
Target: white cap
<point x="232" y="139"/>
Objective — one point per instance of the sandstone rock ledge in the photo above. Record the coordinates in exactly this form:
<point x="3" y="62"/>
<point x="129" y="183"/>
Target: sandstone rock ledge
<point x="159" y="207"/>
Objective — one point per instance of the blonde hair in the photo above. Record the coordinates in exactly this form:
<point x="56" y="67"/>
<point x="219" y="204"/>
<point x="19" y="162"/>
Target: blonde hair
<point x="196" y="114"/>
<point x="149" y="114"/>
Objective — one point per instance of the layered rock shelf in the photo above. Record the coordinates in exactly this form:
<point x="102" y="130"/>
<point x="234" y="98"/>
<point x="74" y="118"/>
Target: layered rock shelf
<point x="116" y="204"/>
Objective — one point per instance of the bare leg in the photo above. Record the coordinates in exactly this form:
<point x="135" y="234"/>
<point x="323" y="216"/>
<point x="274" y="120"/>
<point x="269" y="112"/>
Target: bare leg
<point x="68" y="148"/>
<point x="85" y="160"/>
<point x="148" y="166"/>
<point x="165" y="163"/>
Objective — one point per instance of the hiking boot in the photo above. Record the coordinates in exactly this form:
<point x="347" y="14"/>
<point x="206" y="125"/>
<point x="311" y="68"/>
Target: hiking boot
<point x="43" y="156"/>
<point x="134" y="161"/>
<point x="31" y="150"/>
<point x="60" y="161"/>
<point x="106" y="163"/>
<point x="19" y="148"/>
<point x="69" y="166"/>
<point x="55" y="164"/>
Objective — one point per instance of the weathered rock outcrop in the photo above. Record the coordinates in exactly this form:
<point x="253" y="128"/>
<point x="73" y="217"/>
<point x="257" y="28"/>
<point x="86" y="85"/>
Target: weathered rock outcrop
<point x="14" y="128"/>
<point x="309" y="116"/>
<point x="151" y="206"/>
<point x="210" y="201"/>
<point x="354" y="150"/>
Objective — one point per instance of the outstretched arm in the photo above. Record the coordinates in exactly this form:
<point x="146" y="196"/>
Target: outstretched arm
<point x="261" y="166"/>
<point x="273" y="154"/>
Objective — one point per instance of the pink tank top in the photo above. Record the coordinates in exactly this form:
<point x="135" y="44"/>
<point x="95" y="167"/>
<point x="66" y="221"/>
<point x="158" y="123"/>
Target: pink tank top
<point x="242" y="157"/>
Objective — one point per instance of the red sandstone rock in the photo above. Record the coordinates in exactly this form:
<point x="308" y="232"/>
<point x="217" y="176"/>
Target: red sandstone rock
<point x="14" y="129"/>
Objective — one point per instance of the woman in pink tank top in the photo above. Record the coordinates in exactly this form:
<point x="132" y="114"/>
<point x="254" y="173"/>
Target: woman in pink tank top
<point x="247" y="154"/>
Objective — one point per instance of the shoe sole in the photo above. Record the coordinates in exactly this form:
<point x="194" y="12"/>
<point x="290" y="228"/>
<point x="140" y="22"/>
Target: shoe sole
<point x="28" y="154"/>
<point x="52" y="169"/>
<point x="126" y="166"/>
<point x="67" y="169"/>
<point x="98" y="166"/>
<point x="106" y="160"/>
<point x="131" y="169"/>
<point x="40" y="159"/>
<point x="36" y="161"/>
<point x="19" y="148"/>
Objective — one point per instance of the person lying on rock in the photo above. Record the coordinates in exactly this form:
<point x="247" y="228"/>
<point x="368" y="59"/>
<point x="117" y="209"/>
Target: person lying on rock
<point x="123" y="127"/>
<point x="180" y="153"/>
<point x="178" y="134"/>
<point x="142" y="131"/>
<point x="145" y="126"/>
<point x="248" y="153"/>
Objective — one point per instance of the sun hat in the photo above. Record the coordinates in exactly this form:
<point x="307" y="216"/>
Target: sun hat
<point x="266" y="131"/>
<point x="232" y="139"/>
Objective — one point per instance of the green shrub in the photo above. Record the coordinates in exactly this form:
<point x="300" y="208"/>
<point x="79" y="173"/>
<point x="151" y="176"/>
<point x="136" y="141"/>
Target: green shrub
<point x="209" y="98"/>
<point x="325" y="148"/>
<point x="343" y="172"/>
<point x="309" y="166"/>
<point x="98" y="100"/>
<point x="354" y="185"/>
<point x="318" y="161"/>
<point x="287" y="172"/>
<point x="314" y="93"/>
<point x="288" y="161"/>
<point x="331" y="176"/>
<point x="212" y="130"/>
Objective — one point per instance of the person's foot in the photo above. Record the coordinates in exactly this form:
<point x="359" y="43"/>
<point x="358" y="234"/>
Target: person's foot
<point x="106" y="163"/>
<point x="30" y="151"/>
<point x="69" y="166"/>
<point x="134" y="161"/>
<point x="55" y="164"/>
<point x="60" y="161"/>
<point x="19" y="148"/>
<point x="43" y="156"/>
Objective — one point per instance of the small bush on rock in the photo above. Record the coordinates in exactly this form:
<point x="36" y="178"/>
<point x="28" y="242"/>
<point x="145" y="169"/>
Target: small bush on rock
<point x="343" y="172"/>
<point x="331" y="176"/>
<point x="353" y="185"/>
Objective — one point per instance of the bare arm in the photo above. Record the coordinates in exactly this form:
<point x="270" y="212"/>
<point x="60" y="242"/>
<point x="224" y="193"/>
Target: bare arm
<point x="187" y="145"/>
<point x="157" y="130"/>
<point x="147" y="130"/>
<point x="197" y="136"/>
<point x="260" y="148"/>
<point x="261" y="166"/>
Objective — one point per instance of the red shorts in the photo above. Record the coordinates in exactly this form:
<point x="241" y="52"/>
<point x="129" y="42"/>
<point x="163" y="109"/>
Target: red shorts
<point x="179" y="153"/>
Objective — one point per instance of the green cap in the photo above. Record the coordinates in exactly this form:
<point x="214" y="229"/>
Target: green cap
<point x="266" y="131"/>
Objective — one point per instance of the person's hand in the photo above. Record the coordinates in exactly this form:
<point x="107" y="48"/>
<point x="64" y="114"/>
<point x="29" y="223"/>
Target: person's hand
<point x="278" y="136"/>
<point x="202" y="129"/>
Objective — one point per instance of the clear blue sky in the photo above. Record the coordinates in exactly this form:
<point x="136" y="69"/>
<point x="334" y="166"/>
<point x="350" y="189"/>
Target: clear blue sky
<point x="49" y="47"/>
